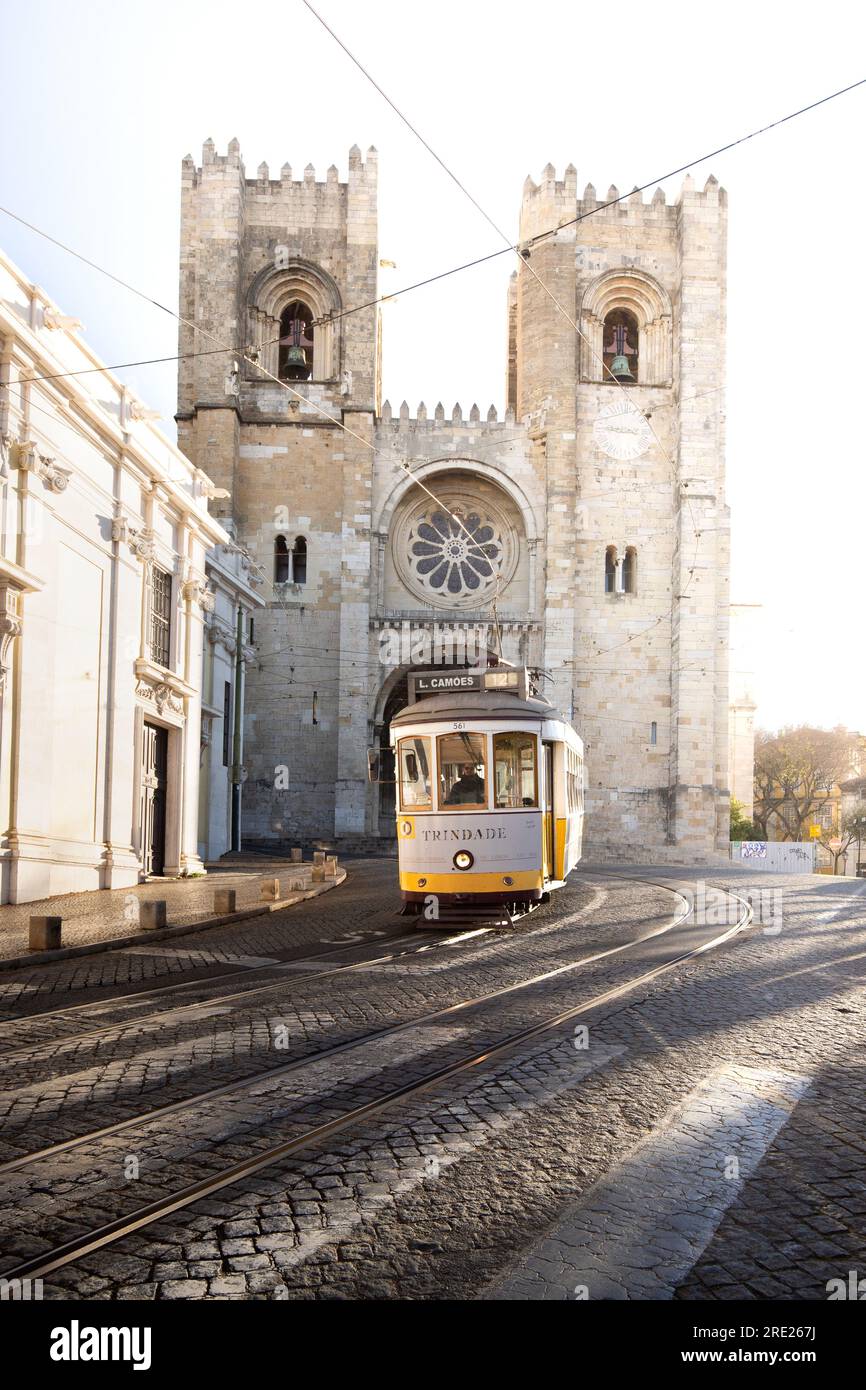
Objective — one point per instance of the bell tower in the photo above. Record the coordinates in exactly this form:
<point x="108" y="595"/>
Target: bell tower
<point x="627" y="415"/>
<point x="269" y="267"/>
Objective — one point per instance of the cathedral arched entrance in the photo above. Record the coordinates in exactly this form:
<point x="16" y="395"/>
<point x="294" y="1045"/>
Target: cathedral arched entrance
<point x="394" y="697"/>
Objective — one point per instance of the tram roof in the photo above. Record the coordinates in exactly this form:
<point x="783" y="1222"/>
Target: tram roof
<point x="488" y="704"/>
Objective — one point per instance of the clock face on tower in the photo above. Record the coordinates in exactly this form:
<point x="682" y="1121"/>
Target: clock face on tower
<point x="621" y="431"/>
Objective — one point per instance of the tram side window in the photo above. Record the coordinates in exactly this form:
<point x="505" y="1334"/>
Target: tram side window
<point x="514" y="771"/>
<point x="415" y="788"/>
<point x="462" y="770"/>
<point x="574" y="782"/>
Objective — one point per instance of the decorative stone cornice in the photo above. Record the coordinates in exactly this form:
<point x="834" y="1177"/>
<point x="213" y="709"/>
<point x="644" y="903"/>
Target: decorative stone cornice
<point x="161" y="696"/>
<point x="53" y="320"/>
<point x="132" y="412"/>
<point x="26" y="457"/>
<point x="162" y="689"/>
<point x="139" y="539"/>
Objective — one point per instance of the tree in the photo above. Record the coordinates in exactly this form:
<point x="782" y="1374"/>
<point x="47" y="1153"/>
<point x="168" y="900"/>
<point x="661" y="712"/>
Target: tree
<point x="796" y="772"/>
<point x="741" y="828"/>
<point x="853" y="829"/>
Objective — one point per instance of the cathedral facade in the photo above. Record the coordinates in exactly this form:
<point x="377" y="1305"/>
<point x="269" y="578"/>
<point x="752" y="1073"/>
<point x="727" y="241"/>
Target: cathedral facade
<point x="585" y="533"/>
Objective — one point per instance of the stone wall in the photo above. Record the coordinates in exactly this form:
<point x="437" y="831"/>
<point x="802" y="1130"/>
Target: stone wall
<point x="579" y="467"/>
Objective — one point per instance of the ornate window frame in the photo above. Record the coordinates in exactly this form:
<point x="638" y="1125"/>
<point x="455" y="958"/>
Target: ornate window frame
<point x="272" y="290"/>
<point x="650" y="304"/>
<point x="465" y="498"/>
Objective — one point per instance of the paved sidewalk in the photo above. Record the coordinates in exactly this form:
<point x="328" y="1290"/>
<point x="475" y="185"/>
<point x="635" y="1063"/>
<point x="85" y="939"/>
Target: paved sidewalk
<point x="106" y="918"/>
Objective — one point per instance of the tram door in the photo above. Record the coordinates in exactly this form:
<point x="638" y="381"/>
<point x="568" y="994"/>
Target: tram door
<point x="548" y="819"/>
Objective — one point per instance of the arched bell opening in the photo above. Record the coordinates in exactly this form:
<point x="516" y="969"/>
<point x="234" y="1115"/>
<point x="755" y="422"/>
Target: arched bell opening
<point x="621" y="345"/>
<point x="296" y="342"/>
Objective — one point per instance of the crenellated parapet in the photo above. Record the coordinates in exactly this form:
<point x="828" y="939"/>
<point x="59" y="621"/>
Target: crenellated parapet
<point x="422" y="422"/>
<point x="217" y="165"/>
<point x="551" y="202"/>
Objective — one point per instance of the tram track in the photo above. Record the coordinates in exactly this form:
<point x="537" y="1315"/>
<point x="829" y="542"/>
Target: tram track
<point x="114" y="1230"/>
<point x="322" y="1054"/>
<point x="288" y="970"/>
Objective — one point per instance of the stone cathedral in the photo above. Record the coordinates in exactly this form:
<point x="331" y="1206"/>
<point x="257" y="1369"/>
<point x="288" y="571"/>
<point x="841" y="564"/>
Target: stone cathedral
<point x="593" y="541"/>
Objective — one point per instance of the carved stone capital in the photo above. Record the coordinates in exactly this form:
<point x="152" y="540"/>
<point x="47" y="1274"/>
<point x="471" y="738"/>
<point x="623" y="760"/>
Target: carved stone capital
<point x="197" y="591"/>
<point x="139" y="539"/>
<point x="26" y="456"/>
<point x="219" y="634"/>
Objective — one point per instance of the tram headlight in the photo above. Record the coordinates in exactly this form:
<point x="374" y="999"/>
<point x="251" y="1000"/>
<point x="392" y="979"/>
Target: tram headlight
<point x="463" y="859"/>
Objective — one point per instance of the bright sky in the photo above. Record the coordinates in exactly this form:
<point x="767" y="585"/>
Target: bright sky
<point x="103" y="100"/>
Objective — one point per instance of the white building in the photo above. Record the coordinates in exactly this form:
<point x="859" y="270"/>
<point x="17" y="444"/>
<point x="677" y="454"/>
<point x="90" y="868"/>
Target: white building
<point x="228" y="651"/>
<point x="104" y="595"/>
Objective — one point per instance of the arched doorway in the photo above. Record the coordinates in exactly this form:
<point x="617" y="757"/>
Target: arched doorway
<point x="394" y="697"/>
<point x="397" y="700"/>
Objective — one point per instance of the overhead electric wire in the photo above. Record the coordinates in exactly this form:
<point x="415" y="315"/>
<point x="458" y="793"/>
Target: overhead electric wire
<point x="440" y="275"/>
<point x="526" y="263"/>
<point x="509" y="247"/>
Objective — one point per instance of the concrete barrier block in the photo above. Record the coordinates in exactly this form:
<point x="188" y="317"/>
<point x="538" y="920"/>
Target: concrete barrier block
<point x="270" y="890"/>
<point x="297" y="885"/>
<point x="225" y="900"/>
<point x="297" y="856"/>
<point x="318" y="856"/>
<point x="318" y="873"/>
<point x="45" y="933"/>
<point x="331" y="866"/>
<point x="153" y="914"/>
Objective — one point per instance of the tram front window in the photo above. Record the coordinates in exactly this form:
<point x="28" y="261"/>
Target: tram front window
<point x="415" y="789"/>
<point x="514" y="771"/>
<point x="462" y="770"/>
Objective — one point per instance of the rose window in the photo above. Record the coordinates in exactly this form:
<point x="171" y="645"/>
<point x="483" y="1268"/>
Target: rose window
<point x="455" y="557"/>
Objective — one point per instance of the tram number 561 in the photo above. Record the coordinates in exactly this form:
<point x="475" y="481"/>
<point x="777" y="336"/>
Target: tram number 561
<point x="459" y="724"/>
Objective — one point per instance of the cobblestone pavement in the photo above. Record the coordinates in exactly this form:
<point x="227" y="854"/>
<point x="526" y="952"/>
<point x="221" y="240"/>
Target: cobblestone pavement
<point x="704" y="1138"/>
<point x="101" y="917"/>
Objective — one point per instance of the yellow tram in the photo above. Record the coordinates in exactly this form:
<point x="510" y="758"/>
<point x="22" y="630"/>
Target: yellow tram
<point x="489" y="790"/>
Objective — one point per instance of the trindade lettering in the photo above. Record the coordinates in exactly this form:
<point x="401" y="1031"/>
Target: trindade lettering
<point x="488" y="833"/>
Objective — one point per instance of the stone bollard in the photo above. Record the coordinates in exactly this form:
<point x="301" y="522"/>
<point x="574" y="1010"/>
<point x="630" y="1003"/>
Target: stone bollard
<point x="331" y="866"/>
<point x="297" y="856"/>
<point x="297" y="885"/>
<point x="319" y="871"/>
<point x="270" y="890"/>
<point x="318" y="856"/>
<point x="153" y="914"/>
<point x="45" y="933"/>
<point x="225" y="900"/>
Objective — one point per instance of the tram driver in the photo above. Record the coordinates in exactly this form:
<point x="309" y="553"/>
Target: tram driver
<point x="468" y="790"/>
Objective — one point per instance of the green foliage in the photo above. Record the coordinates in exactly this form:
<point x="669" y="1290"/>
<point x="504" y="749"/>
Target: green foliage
<point x="741" y="827"/>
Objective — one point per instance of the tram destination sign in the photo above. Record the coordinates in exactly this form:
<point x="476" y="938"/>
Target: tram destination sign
<point x="443" y="682"/>
<point x="512" y="679"/>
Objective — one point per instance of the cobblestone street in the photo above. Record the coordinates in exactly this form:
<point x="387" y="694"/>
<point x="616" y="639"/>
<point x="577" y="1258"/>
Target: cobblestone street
<point x="589" y="1105"/>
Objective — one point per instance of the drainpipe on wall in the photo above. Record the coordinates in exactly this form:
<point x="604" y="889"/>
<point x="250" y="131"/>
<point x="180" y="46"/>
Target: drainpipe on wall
<point x="236" y="736"/>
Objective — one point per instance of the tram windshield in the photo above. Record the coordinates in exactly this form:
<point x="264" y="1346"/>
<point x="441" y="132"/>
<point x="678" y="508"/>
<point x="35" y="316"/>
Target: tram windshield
<point x="514" y="770"/>
<point x="462" y="770"/>
<point x="416" y="792"/>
